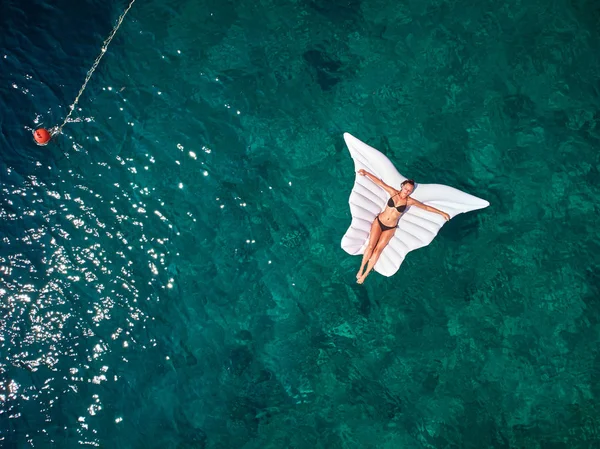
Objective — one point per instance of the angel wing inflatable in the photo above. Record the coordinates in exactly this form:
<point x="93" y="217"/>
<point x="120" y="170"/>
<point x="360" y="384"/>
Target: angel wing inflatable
<point x="416" y="228"/>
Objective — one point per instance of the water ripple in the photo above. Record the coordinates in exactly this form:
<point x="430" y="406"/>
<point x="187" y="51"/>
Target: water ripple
<point x="78" y="269"/>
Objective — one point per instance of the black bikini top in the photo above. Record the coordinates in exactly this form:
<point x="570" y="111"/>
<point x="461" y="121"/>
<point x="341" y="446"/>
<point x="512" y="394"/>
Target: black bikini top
<point x="398" y="208"/>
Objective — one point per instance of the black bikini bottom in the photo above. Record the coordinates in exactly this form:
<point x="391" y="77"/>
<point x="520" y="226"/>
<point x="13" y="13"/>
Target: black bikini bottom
<point x="384" y="227"/>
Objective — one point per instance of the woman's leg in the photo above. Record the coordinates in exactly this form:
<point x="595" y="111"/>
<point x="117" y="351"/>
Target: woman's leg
<point x="373" y="239"/>
<point x="385" y="238"/>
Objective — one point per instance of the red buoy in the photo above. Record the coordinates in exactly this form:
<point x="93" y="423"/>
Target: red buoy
<point x="41" y="136"/>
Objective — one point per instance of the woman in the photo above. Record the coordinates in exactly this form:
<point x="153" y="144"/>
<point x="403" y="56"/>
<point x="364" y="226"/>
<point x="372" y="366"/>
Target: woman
<point x="385" y="224"/>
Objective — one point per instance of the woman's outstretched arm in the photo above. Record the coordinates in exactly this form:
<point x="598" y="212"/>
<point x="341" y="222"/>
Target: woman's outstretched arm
<point x="413" y="202"/>
<point x="390" y="190"/>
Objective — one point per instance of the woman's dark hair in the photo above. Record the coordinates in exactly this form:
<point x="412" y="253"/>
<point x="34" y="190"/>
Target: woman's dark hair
<point x="408" y="181"/>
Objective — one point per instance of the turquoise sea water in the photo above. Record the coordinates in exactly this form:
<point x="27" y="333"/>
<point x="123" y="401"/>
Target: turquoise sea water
<point x="170" y="268"/>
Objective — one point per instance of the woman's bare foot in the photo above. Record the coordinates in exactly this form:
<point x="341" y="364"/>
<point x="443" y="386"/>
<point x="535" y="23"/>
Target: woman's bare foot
<point x="360" y="280"/>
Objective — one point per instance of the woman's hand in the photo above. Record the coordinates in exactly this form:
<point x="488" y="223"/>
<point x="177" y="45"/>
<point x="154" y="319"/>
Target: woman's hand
<point x="362" y="172"/>
<point x="446" y="216"/>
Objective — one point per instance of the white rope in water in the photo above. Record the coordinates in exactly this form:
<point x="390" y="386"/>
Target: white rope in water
<point x="58" y="129"/>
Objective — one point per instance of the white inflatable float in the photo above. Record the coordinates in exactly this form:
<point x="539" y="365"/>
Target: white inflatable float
<point x="416" y="228"/>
